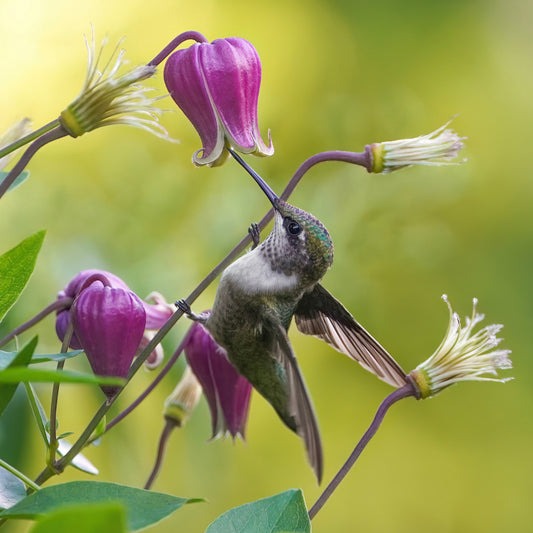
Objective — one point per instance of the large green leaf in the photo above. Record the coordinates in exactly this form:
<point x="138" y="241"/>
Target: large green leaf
<point x="20" y="360"/>
<point x="18" y="374"/>
<point x="12" y="489"/>
<point x="16" y="267"/>
<point x="91" y="518"/>
<point x="143" y="507"/>
<point x="283" y="513"/>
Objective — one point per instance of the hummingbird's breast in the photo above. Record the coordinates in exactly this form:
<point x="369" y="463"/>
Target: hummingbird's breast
<point x="250" y="290"/>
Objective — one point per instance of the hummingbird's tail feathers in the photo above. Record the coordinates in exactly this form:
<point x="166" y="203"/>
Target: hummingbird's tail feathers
<point x="318" y="313"/>
<point x="301" y="409"/>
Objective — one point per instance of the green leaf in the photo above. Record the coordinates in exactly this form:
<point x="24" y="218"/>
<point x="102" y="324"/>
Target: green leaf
<point x="21" y="178"/>
<point x="100" y="517"/>
<point x="143" y="507"/>
<point x="12" y="489"/>
<point x="38" y="412"/>
<point x="7" y="357"/>
<point x="56" y="357"/>
<point x="283" y="513"/>
<point x="17" y="374"/>
<point x="22" y="358"/>
<point x="16" y="267"/>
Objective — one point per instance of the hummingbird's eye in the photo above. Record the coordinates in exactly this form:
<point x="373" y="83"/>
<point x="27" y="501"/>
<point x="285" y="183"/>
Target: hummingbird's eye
<point x="293" y="227"/>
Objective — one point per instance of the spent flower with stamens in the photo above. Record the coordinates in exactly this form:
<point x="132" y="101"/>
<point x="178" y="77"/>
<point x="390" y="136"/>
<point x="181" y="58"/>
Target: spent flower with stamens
<point x="439" y="147"/>
<point x="217" y="85"/>
<point x="463" y="355"/>
<point x="110" y="97"/>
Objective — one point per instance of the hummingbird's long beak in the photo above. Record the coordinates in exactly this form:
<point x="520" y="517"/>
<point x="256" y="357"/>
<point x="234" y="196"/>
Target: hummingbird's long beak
<point x="265" y="187"/>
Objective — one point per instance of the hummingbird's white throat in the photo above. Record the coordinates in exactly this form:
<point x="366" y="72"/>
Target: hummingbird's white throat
<point x="254" y="275"/>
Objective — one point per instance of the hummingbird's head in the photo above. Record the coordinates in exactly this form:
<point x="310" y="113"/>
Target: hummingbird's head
<point x="302" y="243"/>
<point x="299" y="243"/>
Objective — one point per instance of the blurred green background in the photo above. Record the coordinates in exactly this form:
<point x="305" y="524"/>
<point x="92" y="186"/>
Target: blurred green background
<point x="336" y="75"/>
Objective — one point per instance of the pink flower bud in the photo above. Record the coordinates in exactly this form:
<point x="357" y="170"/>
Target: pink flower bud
<point x="109" y="323"/>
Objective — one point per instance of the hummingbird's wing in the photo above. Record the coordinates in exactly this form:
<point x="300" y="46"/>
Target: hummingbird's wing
<point x="318" y="313"/>
<point x="300" y="405"/>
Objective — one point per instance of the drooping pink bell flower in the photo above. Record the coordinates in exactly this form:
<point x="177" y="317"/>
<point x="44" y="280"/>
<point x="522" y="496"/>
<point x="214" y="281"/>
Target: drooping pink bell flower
<point x="106" y="323"/>
<point x="217" y="85"/>
<point x="226" y="391"/>
<point x="109" y="323"/>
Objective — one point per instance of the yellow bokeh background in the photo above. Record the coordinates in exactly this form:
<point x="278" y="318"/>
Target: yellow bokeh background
<point x="336" y="75"/>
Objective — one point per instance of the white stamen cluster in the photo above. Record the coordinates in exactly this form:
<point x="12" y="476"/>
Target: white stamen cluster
<point x="108" y="97"/>
<point x="436" y="148"/>
<point x="463" y="355"/>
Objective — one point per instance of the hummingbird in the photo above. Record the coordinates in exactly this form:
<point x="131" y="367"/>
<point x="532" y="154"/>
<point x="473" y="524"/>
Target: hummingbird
<point x="258" y="296"/>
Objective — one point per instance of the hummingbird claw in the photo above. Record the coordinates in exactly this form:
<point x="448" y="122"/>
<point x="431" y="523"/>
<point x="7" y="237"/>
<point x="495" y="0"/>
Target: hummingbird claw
<point x="255" y="234"/>
<point x="185" y="308"/>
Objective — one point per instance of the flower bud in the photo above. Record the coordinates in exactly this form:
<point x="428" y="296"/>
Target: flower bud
<point x="217" y="85"/>
<point x="226" y="391"/>
<point x="72" y="290"/>
<point x="109" y="323"/>
<point x="184" y="398"/>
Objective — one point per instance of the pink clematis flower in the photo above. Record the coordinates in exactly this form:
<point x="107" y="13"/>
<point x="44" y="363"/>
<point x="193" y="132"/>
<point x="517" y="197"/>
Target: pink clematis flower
<point x="217" y="85"/>
<point x="226" y="391"/>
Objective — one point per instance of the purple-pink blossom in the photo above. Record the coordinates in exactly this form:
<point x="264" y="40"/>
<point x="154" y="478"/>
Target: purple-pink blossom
<point x="217" y="85"/>
<point x="226" y="391"/>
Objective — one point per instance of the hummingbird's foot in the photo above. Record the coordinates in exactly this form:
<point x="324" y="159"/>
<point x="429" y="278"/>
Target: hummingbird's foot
<point x="185" y="308"/>
<point x="255" y="233"/>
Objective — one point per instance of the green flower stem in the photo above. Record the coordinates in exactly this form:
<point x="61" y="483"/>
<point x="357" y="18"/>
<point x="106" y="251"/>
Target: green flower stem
<point x="61" y="463"/>
<point x="26" y="480"/>
<point x="57" y="305"/>
<point x="28" y="138"/>
<point x="403" y="392"/>
<point x="50" y="136"/>
<point x="52" y="449"/>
